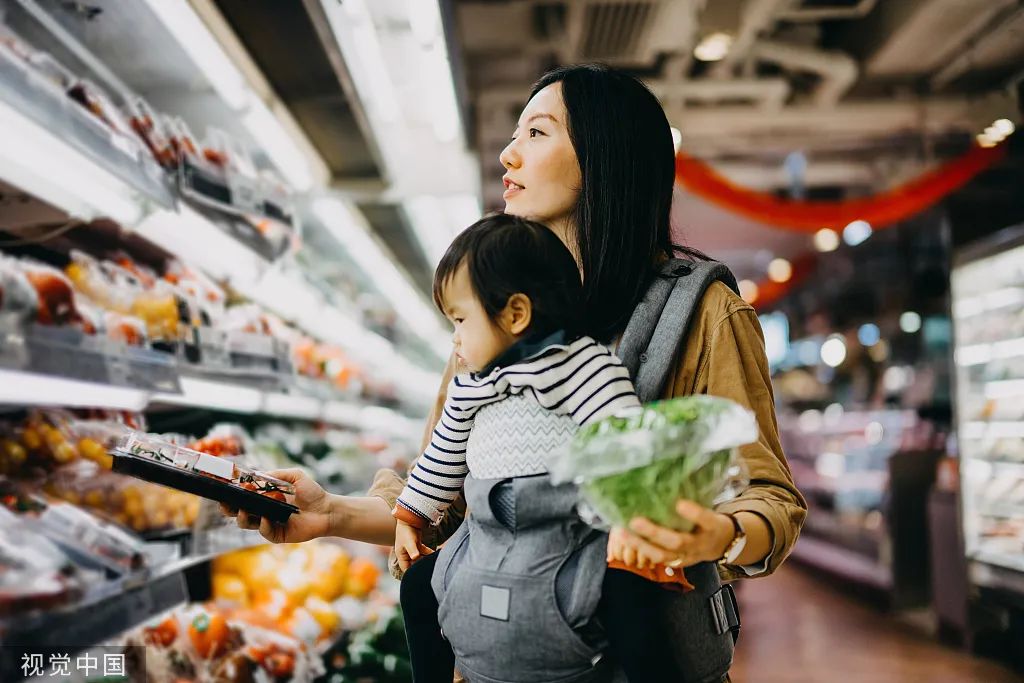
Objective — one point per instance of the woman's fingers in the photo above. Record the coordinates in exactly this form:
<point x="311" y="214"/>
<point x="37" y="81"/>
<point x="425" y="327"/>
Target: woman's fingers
<point x="248" y="521"/>
<point x="667" y="539"/>
<point x="636" y="545"/>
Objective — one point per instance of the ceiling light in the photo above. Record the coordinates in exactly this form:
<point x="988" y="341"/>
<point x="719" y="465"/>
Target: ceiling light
<point x="826" y="239"/>
<point x="780" y="270"/>
<point x="41" y="163"/>
<point x="833" y="351"/>
<point x="984" y="140"/>
<point x="748" y="290"/>
<point x="713" y="48"/>
<point x="856" y="232"/>
<point x="869" y="334"/>
<point x="1003" y="127"/>
<point x="910" y="322"/>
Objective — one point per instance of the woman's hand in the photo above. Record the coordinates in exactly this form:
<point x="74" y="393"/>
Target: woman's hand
<point x="711" y="535"/>
<point x="621" y="549"/>
<point x="312" y="521"/>
<point x="408" y="546"/>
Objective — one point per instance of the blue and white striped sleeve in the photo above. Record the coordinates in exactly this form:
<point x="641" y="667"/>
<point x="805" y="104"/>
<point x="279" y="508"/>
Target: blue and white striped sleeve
<point x="439" y="473"/>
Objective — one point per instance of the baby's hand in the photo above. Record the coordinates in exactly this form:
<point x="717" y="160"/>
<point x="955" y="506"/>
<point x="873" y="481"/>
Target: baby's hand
<point x="408" y="547"/>
<point x="620" y="549"/>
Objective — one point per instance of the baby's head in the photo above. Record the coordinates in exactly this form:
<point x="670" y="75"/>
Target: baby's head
<point x="503" y="278"/>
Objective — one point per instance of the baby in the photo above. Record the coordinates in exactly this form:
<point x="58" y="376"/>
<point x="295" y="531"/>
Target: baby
<point x="512" y="290"/>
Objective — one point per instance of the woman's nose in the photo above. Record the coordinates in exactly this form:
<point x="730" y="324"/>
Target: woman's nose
<point x="509" y="157"/>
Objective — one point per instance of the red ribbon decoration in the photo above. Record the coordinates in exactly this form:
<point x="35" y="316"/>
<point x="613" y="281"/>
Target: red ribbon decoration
<point x="882" y="210"/>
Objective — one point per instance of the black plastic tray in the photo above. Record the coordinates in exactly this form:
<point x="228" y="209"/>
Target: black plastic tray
<point x="202" y="485"/>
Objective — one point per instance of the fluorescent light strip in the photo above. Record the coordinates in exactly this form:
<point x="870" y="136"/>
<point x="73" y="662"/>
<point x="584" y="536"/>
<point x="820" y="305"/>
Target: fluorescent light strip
<point x="203" y="393"/>
<point x="202" y="48"/>
<point x="192" y="237"/>
<point x="342" y="222"/>
<point x="994" y="430"/>
<point x="27" y="388"/>
<point x="291" y="405"/>
<point x="39" y="162"/>
<point x="210" y="59"/>
<point x="1007" y="388"/>
<point x="984" y="353"/>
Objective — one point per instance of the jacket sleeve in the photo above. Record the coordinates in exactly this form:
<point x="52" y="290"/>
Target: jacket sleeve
<point x="734" y="365"/>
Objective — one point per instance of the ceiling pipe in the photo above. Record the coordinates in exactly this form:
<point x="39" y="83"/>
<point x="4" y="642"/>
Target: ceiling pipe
<point x="829" y="13"/>
<point x="756" y="18"/>
<point x="838" y="70"/>
<point x="766" y="93"/>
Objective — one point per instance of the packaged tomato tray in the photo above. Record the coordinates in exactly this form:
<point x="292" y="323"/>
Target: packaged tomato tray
<point x="210" y="476"/>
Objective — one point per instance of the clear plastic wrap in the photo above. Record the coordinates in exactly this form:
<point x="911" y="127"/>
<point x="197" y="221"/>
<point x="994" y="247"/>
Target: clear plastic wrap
<point x="639" y="464"/>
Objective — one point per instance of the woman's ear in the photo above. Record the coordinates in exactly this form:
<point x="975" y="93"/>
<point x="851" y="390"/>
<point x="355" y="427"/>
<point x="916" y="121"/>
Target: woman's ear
<point x="517" y="314"/>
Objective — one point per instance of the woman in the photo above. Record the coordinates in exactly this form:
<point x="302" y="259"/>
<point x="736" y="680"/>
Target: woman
<point x="592" y="159"/>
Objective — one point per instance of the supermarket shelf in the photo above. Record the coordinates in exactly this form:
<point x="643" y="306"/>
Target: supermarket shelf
<point x="841" y="561"/>
<point x="58" y="151"/>
<point x="33" y="389"/>
<point x="1001" y="429"/>
<point x="998" y="570"/>
<point x="1004" y="388"/>
<point x="1001" y="510"/>
<point x="117" y="607"/>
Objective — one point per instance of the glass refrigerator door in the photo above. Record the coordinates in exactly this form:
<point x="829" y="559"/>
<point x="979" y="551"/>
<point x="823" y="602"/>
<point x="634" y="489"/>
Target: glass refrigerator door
<point x="988" y="314"/>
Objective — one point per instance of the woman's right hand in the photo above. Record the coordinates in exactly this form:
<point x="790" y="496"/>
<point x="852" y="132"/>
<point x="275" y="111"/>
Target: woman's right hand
<point x="312" y="521"/>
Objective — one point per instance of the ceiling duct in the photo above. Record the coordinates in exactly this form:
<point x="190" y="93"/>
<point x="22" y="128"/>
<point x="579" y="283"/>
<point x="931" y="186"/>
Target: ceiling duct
<point x="838" y="71"/>
<point x="615" y="30"/>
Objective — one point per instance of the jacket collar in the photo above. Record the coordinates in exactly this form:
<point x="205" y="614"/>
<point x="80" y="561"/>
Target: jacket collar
<point x="529" y="347"/>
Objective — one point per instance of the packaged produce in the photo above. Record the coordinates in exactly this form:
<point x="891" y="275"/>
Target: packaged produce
<point x="204" y="643"/>
<point x="213" y="477"/>
<point x="138" y="505"/>
<point x="17" y="296"/>
<point x="640" y="464"/>
<point x="150" y="128"/>
<point x="34" y="573"/>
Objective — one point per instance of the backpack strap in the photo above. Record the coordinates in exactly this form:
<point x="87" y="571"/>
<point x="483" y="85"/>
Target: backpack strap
<point x="657" y="329"/>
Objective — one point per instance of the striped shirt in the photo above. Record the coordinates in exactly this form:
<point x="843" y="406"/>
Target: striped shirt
<point x="582" y="380"/>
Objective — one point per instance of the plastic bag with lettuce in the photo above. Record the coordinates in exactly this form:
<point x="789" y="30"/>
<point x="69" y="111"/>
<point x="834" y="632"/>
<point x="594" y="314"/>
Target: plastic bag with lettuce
<point x="640" y="463"/>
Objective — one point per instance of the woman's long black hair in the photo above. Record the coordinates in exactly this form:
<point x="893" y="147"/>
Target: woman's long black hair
<point x="624" y="146"/>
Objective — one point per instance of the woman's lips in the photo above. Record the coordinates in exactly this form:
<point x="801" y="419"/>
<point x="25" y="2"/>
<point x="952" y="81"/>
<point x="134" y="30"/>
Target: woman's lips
<point x="511" y="189"/>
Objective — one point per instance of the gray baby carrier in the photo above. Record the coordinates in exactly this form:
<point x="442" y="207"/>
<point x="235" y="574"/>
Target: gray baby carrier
<point x="519" y="582"/>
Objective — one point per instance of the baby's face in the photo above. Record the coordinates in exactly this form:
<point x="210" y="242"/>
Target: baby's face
<point x="477" y="340"/>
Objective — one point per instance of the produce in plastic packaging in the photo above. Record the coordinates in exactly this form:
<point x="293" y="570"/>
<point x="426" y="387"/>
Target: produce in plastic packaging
<point x="639" y="464"/>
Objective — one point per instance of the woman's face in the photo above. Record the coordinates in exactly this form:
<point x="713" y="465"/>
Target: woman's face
<point x="542" y="179"/>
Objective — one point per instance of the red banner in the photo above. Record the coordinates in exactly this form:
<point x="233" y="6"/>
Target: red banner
<point x="879" y="210"/>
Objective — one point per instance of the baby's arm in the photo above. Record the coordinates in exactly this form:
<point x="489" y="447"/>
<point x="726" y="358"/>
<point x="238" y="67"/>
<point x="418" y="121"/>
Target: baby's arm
<point x="437" y="478"/>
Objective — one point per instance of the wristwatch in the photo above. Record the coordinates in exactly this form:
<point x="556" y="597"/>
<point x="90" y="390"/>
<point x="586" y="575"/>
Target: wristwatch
<point x="737" y="544"/>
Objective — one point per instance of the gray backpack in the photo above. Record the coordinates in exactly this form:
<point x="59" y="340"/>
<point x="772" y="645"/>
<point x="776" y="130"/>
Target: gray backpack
<point x="704" y="622"/>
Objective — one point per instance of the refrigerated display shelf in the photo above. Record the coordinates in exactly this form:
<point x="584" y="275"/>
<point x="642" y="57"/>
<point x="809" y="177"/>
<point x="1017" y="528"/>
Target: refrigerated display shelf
<point x="69" y="124"/>
<point x="34" y="389"/>
<point x="844" y="562"/>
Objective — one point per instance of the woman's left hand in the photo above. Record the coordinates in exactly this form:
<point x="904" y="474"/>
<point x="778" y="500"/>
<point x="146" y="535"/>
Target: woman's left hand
<point x="712" y="533"/>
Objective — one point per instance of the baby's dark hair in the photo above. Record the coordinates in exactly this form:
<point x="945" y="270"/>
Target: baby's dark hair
<point x="507" y="255"/>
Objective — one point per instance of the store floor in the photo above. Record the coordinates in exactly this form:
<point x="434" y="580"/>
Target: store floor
<point x="798" y="628"/>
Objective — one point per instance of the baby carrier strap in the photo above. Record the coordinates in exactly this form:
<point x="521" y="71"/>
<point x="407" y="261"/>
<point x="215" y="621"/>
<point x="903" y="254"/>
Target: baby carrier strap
<point x="657" y="329"/>
<point x="648" y="348"/>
